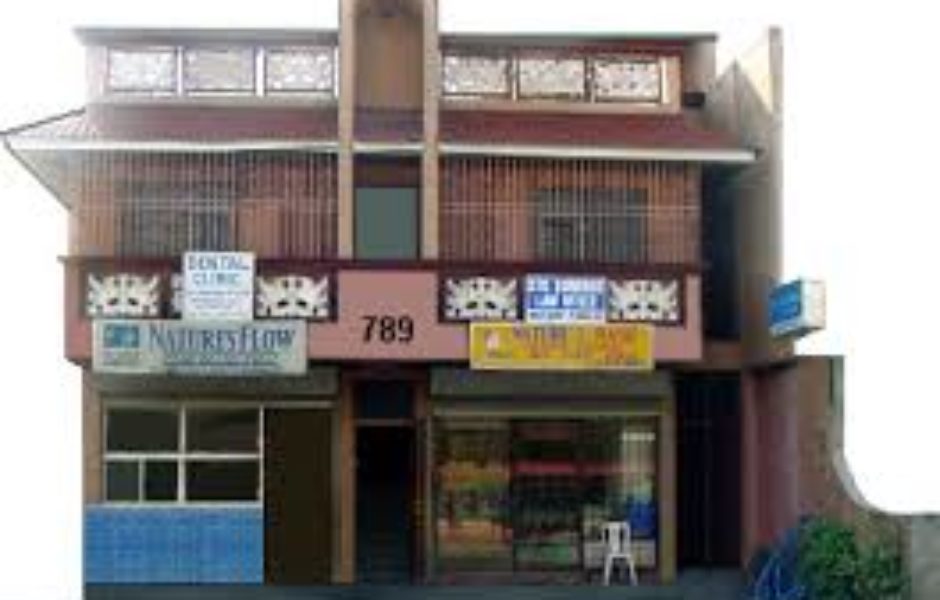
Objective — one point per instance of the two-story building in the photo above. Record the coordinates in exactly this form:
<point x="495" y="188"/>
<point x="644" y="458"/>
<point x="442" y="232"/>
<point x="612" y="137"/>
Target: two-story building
<point x="407" y="198"/>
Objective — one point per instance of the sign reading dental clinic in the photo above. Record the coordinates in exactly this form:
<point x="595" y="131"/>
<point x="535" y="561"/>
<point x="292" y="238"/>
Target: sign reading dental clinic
<point x="218" y="286"/>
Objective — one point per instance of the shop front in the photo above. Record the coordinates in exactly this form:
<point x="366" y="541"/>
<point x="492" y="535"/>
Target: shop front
<point x="347" y="451"/>
<point x="524" y="482"/>
<point x="454" y="477"/>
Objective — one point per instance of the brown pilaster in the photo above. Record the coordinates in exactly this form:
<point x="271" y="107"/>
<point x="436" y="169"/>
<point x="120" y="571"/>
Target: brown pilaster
<point x="92" y="441"/>
<point x="344" y="471"/>
<point x="667" y="493"/>
<point x="346" y="114"/>
<point x="750" y="490"/>
<point x="430" y="158"/>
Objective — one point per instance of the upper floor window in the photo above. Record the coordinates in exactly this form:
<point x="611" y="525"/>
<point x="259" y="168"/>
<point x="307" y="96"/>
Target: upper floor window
<point x="223" y="70"/>
<point x="143" y="70"/>
<point x="300" y="69"/>
<point x="165" y="219"/>
<point x="530" y="75"/>
<point x="604" y="225"/>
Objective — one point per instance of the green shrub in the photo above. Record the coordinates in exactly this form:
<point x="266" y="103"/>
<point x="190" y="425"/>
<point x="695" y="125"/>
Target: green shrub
<point x="834" y="565"/>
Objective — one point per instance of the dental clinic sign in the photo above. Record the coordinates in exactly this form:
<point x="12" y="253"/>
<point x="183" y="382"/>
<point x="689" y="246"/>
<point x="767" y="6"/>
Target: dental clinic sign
<point x="148" y="346"/>
<point x="218" y="286"/>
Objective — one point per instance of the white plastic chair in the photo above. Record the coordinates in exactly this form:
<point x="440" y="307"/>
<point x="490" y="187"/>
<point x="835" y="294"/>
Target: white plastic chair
<point x="617" y="545"/>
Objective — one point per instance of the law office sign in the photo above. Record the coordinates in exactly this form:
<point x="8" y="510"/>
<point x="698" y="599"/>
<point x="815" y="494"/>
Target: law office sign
<point x="559" y="299"/>
<point x="526" y="346"/>
<point x="797" y="308"/>
<point x="218" y="286"/>
<point x="181" y="348"/>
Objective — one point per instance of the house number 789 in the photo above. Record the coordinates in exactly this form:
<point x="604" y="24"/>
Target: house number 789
<point x="388" y="329"/>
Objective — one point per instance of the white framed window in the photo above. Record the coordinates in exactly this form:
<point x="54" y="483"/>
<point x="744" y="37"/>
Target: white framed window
<point x="142" y="70"/>
<point x="300" y="69"/>
<point x="219" y="70"/>
<point x="182" y="453"/>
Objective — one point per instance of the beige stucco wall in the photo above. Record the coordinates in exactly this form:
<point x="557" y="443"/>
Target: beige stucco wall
<point x="747" y="101"/>
<point x="389" y="54"/>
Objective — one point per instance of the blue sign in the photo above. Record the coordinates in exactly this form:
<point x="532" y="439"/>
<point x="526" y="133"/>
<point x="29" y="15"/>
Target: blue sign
<point x="557" y="299"/>
<point x="797" y="307"/>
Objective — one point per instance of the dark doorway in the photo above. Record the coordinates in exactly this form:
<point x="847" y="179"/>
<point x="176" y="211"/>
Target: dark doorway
<point x="297" y="501"/>
<point x="384" y="476"/>
<point x="709" y="470"/>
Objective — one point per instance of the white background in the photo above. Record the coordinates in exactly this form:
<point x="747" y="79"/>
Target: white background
<point x="861" y="153"/>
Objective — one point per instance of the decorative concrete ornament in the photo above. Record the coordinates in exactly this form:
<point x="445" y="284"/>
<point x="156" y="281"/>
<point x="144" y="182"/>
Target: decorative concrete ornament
<point x="123" y="295"/>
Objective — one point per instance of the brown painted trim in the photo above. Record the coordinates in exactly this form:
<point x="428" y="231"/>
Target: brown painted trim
<point x="345" y="511"/>
<point x="506" y="266"/>
<point x="166" y="268"/>
<point x="520" y="294"/>
<point x="555" y="43"/>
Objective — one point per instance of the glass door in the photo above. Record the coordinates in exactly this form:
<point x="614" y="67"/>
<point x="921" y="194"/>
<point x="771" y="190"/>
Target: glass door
<point x="545" y="493"/>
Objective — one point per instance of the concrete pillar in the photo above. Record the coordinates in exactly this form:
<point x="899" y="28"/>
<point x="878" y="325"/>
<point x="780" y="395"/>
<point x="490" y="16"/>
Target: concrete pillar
<point x="346" y="114"/>
<point x="924" y="557"/>
<point x="430" y="159"/>
<point x="750" y="482"/>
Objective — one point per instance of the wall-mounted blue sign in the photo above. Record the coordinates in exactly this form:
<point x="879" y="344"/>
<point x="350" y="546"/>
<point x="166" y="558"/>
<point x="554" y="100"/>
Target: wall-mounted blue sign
<point x="555" y="299"/>
<point x="797" y="308"/>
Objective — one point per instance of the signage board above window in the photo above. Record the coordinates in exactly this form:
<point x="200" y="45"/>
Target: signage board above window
<point x="181" y="348"/>
<point x="554" y="299"/>
<point x="515" y="346"/>
<point x="218" y="286"/>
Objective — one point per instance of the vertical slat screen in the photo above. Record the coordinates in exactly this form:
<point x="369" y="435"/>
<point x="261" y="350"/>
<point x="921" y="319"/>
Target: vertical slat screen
<point x="273" y="203"/>
<point x="556" y="210"/>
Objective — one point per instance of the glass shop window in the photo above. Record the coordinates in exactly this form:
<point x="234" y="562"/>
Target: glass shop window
<point x="182" y="454"/>
<point x="532" y="495"/>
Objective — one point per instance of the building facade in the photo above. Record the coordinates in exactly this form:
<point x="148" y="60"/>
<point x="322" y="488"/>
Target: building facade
<point x="412" y="205"/>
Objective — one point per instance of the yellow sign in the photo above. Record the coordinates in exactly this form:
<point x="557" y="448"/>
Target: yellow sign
<point x="621" y="346"/>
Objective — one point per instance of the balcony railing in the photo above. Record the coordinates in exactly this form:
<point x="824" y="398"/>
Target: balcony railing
<point x="276" y="204"/>
<point x="569" y="211"/>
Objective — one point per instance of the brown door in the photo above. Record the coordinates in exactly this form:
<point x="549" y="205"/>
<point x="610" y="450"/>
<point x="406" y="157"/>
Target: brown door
<point x="297" y="515"/>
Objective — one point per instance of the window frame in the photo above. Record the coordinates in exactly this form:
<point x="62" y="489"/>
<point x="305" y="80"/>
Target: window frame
<point x="566" y="208"/>
<point x="181" y="456"/>
<point x="146" y="208"/>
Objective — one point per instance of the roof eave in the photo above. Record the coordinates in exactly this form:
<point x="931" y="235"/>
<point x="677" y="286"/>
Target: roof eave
<point x="703" y="155"/>
<point x="168" y="146"/>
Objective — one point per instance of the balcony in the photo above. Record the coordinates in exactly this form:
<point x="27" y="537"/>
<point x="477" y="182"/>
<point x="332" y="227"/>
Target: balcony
<point x="569" y="212"/>
<point x="151" y="204"/>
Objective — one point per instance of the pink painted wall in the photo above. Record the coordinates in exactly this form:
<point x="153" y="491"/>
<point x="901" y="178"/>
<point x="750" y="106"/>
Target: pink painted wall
<point x="787" y="454"/>
<point x="415" y="293"/>
<point x="392" y="293"/>
<point x="395" y="293"/>
<point x="683" y="344"/>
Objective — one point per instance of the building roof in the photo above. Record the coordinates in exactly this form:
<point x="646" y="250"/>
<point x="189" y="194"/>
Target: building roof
<point x="127" y="125"/>
<point x="579" y="130"/>
<point x="587" y="40"/>
<point x="524" y="133"/>
<point x="164" y="35"/>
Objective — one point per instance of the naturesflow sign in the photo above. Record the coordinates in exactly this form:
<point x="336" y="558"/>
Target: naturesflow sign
<point x="218" y="286"/>
<point x="206" y="348"/>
